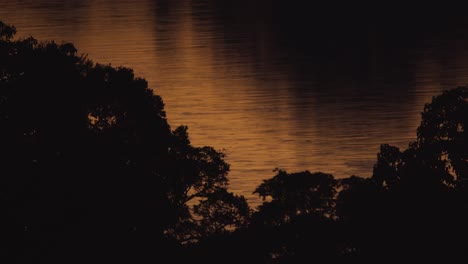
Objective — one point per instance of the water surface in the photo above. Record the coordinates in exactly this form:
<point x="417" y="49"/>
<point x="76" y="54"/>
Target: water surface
<point x="293" y="87"/>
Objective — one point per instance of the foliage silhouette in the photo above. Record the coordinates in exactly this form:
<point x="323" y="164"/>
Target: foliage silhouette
<point x="222" y="211"/>
<point x="410" y="209"/>
<point x="443" y="134"/>
<point x="299" y="193"/>
<point x="419" y="190"/>
<point x="298" y="216"/>
<point x="90" y="166"/>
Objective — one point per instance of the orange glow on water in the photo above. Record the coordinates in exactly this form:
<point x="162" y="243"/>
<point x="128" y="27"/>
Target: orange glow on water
<point x="239" y="89"/>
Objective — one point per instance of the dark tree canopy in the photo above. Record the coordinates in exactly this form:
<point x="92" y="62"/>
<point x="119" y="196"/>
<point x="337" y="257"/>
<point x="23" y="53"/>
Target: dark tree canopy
<point x="422" y="188"/>
<point x="296" y="220"/>
<point x="89" y="160"/>
<point x="442" y="134"/>
<point x="439" y="157"/>
<point x="222" y="211"/>
<point x="388" y="166"/>
<point x="6" y="32"/>
<point x="299" y="193"/>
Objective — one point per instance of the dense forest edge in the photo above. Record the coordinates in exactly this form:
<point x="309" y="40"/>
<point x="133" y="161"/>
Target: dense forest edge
<point x="91" y="172"/>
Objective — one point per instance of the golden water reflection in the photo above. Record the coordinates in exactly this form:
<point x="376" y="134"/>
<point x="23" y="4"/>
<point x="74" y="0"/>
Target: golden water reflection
<point x="227" y="74"/>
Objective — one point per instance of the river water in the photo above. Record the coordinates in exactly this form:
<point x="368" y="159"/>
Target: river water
<point x="272" y="85"/>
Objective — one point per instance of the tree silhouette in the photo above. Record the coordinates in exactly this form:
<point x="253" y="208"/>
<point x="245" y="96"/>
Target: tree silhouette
<point x="222" y="211"/>
<point x="297" y="221"/>
<point x="388" y="166"/>
<point x="6" y="32"/>
<point x="411" y="208"/>
<point x="298" y="193"/>
<point x="442" y="135"/>
<point x="91" y="165"/>
<point x="421" y="188"/>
